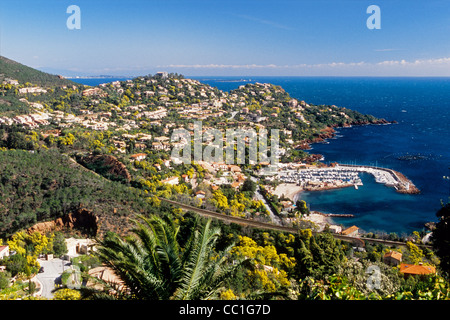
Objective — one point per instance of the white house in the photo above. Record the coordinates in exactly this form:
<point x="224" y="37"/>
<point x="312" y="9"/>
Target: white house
<point x="138" y="156"/>
<point x="4" y="251"/>
<point x="200" y="194"/>
<point x="171" y="180"/>
<point x="32" y="90"/>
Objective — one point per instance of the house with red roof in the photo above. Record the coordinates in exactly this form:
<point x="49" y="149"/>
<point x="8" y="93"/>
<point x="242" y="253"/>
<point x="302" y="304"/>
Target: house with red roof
<point x="392" y="258"/>
<point x="351" y="231"/>
<point x="4" y="251"/>
<point x="416" y="269"/>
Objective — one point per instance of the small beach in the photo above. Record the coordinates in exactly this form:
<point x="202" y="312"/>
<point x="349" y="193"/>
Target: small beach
<point x="293" y="191"/>
<point x="288" y="190"/>
<point x="320" y="220"/>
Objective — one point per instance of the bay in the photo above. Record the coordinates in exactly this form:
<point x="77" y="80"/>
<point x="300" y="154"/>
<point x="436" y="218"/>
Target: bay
<point x="418" y="146"/>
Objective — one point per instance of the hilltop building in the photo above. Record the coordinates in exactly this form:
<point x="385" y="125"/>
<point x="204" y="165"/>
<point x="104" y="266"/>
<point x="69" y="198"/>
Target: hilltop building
<point x="162" y="74"/>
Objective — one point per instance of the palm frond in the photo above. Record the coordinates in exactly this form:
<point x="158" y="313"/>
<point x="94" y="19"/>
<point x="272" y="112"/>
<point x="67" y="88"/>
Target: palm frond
<point x="197" y="262"/>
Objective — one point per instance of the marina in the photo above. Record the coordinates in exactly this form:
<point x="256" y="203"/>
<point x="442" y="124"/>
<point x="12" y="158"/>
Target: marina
<point x="340" y="176"/>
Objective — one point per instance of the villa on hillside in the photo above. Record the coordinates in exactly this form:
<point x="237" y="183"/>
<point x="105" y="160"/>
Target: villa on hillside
<point x="392" y="258"/>
<point x="351" y="231"/>
<point x="416" y="269"/>
<point x="4" y="251"/>
<point x="32" y="90"/>
<point x="94" y="92"/>
<point x="171" y="180"/>
<point x="200" y="194"/>
<point x="138" y="156"/>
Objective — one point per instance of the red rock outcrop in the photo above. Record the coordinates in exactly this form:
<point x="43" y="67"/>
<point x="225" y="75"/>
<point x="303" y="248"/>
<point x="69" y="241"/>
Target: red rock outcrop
<point x="81" y="219"/>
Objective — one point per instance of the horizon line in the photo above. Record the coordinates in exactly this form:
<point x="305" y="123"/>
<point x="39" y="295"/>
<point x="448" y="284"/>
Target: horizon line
<point x="259" y="76"/>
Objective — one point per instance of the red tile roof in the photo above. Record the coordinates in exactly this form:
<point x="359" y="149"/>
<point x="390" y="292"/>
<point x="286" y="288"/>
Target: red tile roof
<point x="394" y="254"/>
<point x="350" y="230"/>
<point x="416" y="269"/>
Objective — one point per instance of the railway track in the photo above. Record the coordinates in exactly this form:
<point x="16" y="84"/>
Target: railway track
<point x="259" y="224"/>
<point x="269" y="226"/>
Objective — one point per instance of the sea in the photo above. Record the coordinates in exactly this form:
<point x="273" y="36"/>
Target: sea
<point x="417" y="146"/>
<point x="93" y="81"/>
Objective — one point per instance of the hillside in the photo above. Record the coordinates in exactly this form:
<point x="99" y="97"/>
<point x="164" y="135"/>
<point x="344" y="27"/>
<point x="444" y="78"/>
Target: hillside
<point x="47" y="185"/>
<point x="107" y="127"/>
<point x="10" y="69"/>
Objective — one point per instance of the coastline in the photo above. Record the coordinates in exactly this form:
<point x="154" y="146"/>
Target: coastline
<point x="292" y="191"/>
<point x="288" y="190"/>
<point x="401" y="183"/>
<point x="397" y="180"/>
<point x="329" y="132"/>
<point x="386" y="176"/>
<point x="412" y="189"/>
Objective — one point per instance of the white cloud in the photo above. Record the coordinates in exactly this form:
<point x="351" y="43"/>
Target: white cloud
<point x="419" y="62"/>
<point x="263" y="21"/>
<point x="401" y="67"/>
<point x="221" y="66"/>
<point x="386" y="50"/>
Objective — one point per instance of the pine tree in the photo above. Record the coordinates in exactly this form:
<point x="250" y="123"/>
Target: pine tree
<point x="441" y="237"/>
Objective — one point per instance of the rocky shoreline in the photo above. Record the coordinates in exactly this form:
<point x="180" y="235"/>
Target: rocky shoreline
<point x="412" y="189"/>
<point x="329" y="132"/>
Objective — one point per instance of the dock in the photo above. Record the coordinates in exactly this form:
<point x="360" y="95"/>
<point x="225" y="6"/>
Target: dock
<point x="344" y="175"/>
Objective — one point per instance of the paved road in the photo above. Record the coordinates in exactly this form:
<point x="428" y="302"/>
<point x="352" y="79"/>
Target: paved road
<point x="233" y="114"/>
<point x="52" y="271"/>
<point x="275" y="219"/>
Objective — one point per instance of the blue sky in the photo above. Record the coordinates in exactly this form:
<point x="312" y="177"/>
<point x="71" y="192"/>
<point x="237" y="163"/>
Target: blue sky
<point x="229" y="37"/>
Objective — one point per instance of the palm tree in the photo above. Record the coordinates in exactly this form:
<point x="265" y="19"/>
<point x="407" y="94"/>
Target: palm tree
<point x="152" y="265"/>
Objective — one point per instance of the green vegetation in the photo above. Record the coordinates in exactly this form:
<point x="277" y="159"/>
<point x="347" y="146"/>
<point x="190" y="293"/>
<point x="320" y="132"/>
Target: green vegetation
<point x="46" y="185"/>
<point x="152" y="265"/>
<point x="14" y="70"/>
<point x="441" y="237"/>
<point x="12" y="106"/>
<point x="78" y="167"/>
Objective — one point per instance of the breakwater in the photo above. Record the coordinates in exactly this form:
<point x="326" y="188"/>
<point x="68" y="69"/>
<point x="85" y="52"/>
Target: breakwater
<point x="388" y="177"/>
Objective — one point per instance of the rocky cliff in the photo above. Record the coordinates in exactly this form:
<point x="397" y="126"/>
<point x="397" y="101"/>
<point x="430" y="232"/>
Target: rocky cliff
<point x="81" y="220"/>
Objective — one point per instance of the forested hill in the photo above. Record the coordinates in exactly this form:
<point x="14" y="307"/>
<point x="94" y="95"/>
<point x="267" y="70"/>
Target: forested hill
<point x="10" y="69"/>
<point x="46" y="185"/>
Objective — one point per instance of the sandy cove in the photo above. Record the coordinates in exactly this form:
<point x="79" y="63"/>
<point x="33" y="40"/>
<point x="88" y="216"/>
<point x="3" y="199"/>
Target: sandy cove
<point x="291" y="191"/>
<point x="288" y="190"/>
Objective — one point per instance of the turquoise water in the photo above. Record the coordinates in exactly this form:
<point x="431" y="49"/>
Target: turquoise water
<point x="421" y="106"/>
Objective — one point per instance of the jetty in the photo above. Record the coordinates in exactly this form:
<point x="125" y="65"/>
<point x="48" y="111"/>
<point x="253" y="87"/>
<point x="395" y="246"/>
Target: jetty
<point x="339" y="215"/>
<point x="386" y="176"/>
